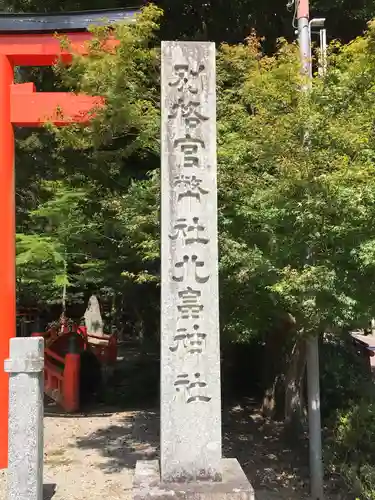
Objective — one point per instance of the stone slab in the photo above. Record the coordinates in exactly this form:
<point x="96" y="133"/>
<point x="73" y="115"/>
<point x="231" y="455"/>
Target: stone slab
<point x="26" y="394"/>
<point x="93" y="317"/>
<point x="190" y="445"/>
<point x="147" y="484"/>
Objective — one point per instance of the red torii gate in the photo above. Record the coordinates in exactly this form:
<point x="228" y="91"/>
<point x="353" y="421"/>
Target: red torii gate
<point x="21" y="105"/>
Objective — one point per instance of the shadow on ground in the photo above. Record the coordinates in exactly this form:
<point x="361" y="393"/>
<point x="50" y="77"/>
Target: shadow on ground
<point x="49" y="491"/>
<point x="258" y="445"/>
<point x="274" y="468"/>
<point x="136" y="438"/>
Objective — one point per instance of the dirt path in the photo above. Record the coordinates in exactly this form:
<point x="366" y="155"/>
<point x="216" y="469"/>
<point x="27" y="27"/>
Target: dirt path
<point x="92" y="457"/>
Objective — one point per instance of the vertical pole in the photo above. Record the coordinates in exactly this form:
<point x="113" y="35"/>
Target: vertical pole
<point x="315" y="429"/>
<point x="7" y="247"/>
<point x="312" y="346"/>
<point x="71" y="382"/>
<point x="304" y="35"/>
<point x="323" y="53"/>
<point x="26" y="393"/>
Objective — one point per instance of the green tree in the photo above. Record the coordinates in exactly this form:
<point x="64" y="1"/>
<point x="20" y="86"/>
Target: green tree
<point x="231" y="22"/>
<point x="289" y="205"/>
<point x="295" y="228"/>
<point x="68" y="219"/>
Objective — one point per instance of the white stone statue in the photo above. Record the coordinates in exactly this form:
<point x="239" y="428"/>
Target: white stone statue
<point x="93" y="318"/>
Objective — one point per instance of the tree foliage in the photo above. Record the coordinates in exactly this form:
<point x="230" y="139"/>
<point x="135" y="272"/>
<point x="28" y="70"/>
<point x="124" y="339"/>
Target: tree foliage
<point x="296" y="178"/>
<point x="299" y="218"/>
<point x="71" y="206"/>
<point x="295" y="222"/>
<point x="222" y="21"/>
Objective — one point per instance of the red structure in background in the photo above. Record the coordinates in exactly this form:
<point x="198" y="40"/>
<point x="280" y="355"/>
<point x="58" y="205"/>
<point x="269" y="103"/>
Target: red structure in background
<point x="20" y="105"/>
<point x="64" y="342"/>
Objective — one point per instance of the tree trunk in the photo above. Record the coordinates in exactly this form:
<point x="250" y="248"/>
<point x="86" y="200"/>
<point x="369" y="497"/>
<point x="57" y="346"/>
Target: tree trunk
<point x="294" y="388"/>
<point x="274" y="368"/>
<point x="273" y="401"/>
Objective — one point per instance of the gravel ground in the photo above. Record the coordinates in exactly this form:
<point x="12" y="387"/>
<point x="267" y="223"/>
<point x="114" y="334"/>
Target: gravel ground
<point x="92" y="457"/>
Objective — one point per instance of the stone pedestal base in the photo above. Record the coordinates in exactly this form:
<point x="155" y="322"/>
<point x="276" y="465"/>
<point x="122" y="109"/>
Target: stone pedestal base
<point x="147" y="485"/>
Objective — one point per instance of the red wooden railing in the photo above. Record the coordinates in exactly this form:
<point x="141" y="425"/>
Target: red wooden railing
<point x="62" y="367"/>
<point x="61" y="383"/>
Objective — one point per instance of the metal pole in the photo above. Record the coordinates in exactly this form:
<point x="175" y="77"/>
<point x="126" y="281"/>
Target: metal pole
<point x="304" y="35"/>
<point x="312" y="346"/>
<point x="315" y="430"/>
<point x="323" y="53"/>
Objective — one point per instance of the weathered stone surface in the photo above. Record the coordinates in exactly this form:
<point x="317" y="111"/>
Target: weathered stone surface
<point x="234" y="484"/>
<point x="93" y="318"/>
<point x="25" y="455"/>
<point x="190" y="354"/>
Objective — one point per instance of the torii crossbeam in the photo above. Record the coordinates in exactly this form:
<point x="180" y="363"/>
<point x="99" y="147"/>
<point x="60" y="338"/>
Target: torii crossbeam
<point x="29" y="40"/>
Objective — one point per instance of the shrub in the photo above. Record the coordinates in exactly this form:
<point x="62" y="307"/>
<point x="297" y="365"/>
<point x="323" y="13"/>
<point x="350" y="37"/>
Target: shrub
<point x="352" y="448"/>
<point x="345" y="378"/>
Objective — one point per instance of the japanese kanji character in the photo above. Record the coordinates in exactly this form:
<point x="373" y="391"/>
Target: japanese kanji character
<point x="189" y="148"/>
<point x="183" y="77"/>
<point x="192" y="342"/>
<point x="189" y="112"/>
<point x="189" y="186"/>
<point x="183" y="267"/>
<point x="189" y="232"/>
<point x="194" y="390"/>
<point x="189" y="306"/>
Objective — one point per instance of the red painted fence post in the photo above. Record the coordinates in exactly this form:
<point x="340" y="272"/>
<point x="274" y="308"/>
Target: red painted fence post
<point x="7" y="247"/>
<point x="71" y="382"/>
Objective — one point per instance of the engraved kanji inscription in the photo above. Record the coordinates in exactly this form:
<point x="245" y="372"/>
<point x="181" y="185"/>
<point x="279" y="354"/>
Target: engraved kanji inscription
<point x="190" y="233"/>
<point x="189" y="265"/>
<point x="189" y="306"/>
<point x="192" y="342"/>
<point x="186" y="77"/>
<point x="190" y="394"/>
<point x="189" y="112"/>
<point x="189" y="186"/>
<point x="189" y="147"/>
<point x="194" y="388"/>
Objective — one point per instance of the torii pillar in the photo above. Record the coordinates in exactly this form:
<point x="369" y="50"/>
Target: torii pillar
<point x="20" y="105"/>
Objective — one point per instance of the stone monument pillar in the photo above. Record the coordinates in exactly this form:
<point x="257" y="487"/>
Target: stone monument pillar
<point x="190" y="353"/>
<point x="191" y="463"/>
